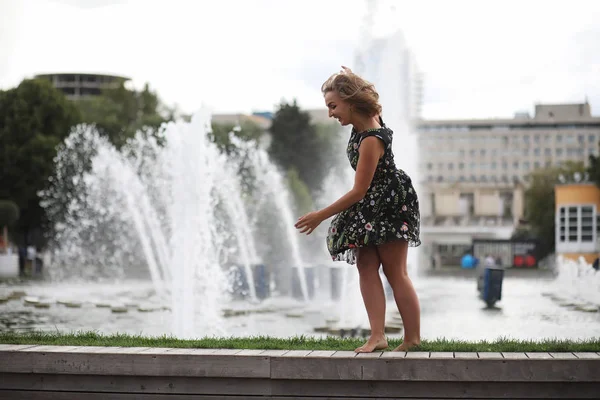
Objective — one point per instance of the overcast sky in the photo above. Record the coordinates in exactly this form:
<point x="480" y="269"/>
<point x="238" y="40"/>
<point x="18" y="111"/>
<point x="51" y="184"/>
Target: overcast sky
<point x="479" y="58"/>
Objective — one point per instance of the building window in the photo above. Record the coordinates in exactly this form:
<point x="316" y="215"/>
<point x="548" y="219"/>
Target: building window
<point x="536" y="139"/>
<point x="587" y="223"/>
<point x="559" y="152"/>
<point x="536" y="152"/>
<point x="461" y="166"/>
<point x="576" y="224"/>
<point x="526" y="152"/>
<point x="482" y="152"/>
<point x="559" y="138"/>
<point x="536" y="165"/>
<point x="591" y="138"/>
<point x="548" y="152"/>
<point x="429" y="166"/>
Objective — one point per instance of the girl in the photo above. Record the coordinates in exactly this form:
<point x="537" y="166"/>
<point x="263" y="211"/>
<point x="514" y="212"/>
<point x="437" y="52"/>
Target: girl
<point x="378" y="219"/>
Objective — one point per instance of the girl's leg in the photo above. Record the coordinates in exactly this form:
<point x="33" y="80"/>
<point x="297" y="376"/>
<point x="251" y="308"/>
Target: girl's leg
<point x="371" y="288"/>
<point x="393" y="257"/>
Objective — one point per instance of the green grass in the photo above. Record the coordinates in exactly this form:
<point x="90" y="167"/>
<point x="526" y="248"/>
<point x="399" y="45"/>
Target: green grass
<point x="293" y="343"/>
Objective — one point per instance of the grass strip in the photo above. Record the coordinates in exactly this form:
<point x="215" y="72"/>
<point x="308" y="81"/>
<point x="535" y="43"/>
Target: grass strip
<point x="92" y="338"/>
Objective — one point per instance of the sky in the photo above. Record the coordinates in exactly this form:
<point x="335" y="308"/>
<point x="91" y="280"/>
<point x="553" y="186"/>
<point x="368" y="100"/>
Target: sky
<point x="479" y="59"/>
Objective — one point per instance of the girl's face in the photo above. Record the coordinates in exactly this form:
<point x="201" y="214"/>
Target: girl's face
<point x="338" y="108"/>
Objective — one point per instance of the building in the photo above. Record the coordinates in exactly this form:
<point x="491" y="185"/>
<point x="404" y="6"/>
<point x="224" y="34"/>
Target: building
<point x="79" y="85"/>
<point x="473" y="173"/>
<point x="577" y="220"/>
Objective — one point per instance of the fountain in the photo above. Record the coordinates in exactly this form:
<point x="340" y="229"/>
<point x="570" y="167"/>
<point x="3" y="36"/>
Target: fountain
<point x="577" y="281"/>
<point x="175" y="209"/>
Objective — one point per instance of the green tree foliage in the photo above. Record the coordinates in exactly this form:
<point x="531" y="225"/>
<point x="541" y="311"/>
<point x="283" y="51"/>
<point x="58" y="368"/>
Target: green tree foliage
<point x="34" y="119"/>
<point x="297" y="143"/>
<point x="221" y="134"/>
<point x="540" y="205"/>
<point x="9" y="212"/>
<point x="594" y="169"/>
<point x="120" y="112"/>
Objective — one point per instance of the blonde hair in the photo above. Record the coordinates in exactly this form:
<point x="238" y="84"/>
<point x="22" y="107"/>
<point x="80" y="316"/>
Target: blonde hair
<point x="358" y="92"/>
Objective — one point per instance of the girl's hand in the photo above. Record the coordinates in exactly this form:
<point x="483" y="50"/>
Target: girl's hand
<point x="309" y="222"/>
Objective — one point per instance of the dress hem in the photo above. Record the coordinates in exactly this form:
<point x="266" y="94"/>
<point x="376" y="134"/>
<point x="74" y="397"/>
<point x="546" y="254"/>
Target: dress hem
<point x="348" y="254"/>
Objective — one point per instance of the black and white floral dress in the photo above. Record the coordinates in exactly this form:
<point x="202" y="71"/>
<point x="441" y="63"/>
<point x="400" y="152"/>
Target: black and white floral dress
<point x="389" y="211"/>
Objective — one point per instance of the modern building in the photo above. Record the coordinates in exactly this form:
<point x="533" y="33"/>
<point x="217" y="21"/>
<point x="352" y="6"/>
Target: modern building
<point x="577" y="220"/>
<point x="473" y="173"/>
<point x="80" y="85"/>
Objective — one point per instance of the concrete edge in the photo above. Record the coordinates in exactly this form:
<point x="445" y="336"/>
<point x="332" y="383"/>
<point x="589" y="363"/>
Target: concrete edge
<point x="300" y="365"/>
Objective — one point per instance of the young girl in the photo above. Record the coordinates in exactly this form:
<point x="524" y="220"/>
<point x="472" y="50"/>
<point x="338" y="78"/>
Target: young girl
<point x="378" y="219"/>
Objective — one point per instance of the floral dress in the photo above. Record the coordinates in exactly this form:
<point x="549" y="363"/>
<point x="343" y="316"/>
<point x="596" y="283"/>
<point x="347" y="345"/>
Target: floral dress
<point x="389" y="211"/>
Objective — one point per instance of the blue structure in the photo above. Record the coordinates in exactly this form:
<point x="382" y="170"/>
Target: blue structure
<point x="468" y="261"/>
<point x="239" y="279"/>
<point x="490" y="285"/>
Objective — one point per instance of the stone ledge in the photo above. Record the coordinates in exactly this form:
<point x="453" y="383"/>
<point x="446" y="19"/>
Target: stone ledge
<point x="300" y="365"/>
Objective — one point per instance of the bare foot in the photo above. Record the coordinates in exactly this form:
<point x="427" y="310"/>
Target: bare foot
<point x="374" y="343"/>
<point x="407" y="345"/>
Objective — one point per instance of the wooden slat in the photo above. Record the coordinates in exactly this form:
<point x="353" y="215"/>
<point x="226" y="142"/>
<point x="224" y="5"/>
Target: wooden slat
<point x="375" y="354"/>
<point x="86" y="349"/>
<point x="297" y="353"/>
<point x="156" y="350"/>
<point x="539" y="356"/>
<point x="465" y="355"/>
<point x="344" y="354"/>
<point x="515" y="356"/>
<point x="588" y="355"/>
<point x="226" y="352"/>
<point x="17" y="347"/>
<point x="321" y="353"/>
<point x="393" y="354"/>
<point x="274" y="353"/>
<point x="417" y="354"/>
<point x="251" y="352"/>
<point x="563" y="356"/>
<point x="441" y="354"/>
<point x="490" y="356"/>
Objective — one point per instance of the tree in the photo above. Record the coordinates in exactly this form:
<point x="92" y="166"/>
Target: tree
<point x="594" y="169"/>
<point x="34" y="118"/>
<point x="540" y="205"/>
<point x="297" y="143"/>
<point x="119" y="113"/>
<point x="220" y="135"/>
